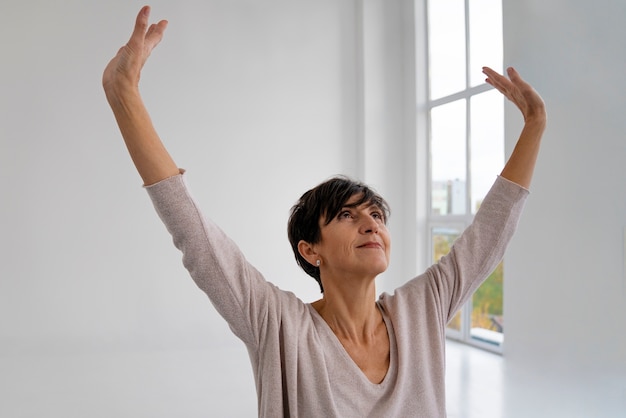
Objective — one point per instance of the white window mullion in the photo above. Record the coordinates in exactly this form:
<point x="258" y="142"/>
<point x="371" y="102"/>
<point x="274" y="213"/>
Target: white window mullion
<point x="468" y="114"/>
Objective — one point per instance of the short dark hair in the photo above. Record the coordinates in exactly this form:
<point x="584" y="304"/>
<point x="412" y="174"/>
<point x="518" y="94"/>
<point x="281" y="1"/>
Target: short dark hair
<point x="326" y="200"/>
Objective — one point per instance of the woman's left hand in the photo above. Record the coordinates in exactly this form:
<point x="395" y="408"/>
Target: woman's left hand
<point x="521" y="164"/>
<point x="522" y="94"/>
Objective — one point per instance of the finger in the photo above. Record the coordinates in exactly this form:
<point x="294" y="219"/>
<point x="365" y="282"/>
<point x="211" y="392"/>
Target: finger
<point x="493" y="77"/>
<point x="518" y="81"/>
<point x="489" y="72"/>
<point x="500" y="82"/>
<point x="514" y="75"/>
<point x="512" y="72"/>
<point x="516" y="78"/>
<point x="141" y="25"/>
<point x="534" y="102"/>
<point x="155" y="34"/>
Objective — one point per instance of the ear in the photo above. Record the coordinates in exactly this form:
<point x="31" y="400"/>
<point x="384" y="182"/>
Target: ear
<point x="307" y="251"/>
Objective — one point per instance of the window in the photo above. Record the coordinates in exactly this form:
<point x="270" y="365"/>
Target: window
<point x="466" y="143"/>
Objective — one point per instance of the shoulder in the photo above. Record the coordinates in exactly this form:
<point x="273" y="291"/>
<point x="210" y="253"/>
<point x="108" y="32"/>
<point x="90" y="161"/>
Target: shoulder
<point x="410" y="293"/>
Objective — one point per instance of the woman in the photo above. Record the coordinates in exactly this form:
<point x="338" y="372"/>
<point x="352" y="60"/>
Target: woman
<point x="347" y="354"/>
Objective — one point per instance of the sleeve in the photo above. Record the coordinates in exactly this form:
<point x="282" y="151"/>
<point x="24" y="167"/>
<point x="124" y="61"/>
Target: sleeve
<point x="237" y="290"/>
<point x="479" y="249"/>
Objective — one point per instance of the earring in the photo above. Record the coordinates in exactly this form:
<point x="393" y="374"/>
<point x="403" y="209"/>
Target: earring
<point x="318" y="263"/>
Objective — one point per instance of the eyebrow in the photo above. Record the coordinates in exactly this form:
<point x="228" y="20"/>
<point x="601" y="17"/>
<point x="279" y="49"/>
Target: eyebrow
<point x="367" y="204"/>
<point x="373" y="201"/>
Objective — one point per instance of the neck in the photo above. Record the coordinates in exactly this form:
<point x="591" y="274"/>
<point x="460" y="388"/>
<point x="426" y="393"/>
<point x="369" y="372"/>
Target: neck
<point x="350" y="311"/>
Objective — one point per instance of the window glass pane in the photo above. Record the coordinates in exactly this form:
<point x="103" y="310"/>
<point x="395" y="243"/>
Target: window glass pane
<point x="485" y="33"/>
<point x="446" y="39"/>
<point x="487" y="318"/>
<point x="448" y="158"/>
<point x="442" y="240"/>
<point x="487" y="143"/>
<point x="456" y="321"/>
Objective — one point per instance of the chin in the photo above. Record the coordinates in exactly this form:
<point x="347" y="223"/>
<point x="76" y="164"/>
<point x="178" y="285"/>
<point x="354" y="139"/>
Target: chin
<point x="381" y="269"/>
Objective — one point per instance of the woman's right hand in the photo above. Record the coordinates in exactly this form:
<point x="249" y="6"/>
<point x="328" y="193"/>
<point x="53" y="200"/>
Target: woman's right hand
<point x="121" y="86"/>
<point x="124" y="70"/>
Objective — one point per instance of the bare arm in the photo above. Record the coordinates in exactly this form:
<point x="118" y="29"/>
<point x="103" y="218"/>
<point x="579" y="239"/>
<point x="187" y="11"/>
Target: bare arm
<point x="121" y="85"/>
<point x="521" y="164"/>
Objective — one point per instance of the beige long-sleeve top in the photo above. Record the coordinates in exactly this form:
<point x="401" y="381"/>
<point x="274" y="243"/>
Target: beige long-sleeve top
<point x="300" y="367"/>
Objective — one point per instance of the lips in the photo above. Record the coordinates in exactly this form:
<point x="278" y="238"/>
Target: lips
<point x="370" y="244"/>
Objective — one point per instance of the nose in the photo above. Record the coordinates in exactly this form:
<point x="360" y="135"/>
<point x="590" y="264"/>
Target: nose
<point x="369" y="225"/>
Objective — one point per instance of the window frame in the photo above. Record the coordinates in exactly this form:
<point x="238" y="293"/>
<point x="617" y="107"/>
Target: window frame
<point x="424" y="108"/>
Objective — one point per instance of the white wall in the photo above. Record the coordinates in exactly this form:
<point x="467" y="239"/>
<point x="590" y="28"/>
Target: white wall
<point x="259" y="103"/>
<point x="254" y="101"/>
<point x="565" y="287"/>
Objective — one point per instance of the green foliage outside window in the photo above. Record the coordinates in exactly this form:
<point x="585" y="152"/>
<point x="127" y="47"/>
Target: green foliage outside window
<point x="487" y="300"/>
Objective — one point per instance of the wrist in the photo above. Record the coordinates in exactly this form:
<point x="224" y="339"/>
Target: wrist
<point x="536" y="120"/>
<point x="121" y="92"/>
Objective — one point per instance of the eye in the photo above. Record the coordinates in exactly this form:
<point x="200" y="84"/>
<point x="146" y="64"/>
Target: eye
<point x="344" y="215"/>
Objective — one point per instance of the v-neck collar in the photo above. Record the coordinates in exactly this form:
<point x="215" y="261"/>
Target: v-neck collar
<point x="324" y="329"/>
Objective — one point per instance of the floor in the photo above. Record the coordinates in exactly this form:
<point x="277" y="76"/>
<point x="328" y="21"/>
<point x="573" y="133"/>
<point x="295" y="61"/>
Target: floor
<point x="474" y="382"/>
<point x="480" y="384"/>
<point x="164" y="383"/>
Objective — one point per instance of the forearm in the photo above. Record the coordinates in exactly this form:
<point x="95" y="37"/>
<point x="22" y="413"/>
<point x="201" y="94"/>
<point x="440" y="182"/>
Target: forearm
<point x="477" y="252"/>
<point x="521" y="164"/>
<point x="236" y="289"/>
<point x="148" y="153"/>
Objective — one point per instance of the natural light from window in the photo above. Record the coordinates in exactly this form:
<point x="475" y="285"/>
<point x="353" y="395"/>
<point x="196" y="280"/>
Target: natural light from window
<point x="466" y="144"/>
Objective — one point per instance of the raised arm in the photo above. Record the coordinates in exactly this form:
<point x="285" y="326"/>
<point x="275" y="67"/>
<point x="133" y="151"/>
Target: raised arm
<point x="121" y="86"/>
<point x="521" y="164"/>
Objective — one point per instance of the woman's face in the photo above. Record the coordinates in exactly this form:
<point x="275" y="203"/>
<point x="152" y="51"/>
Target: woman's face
<point x="356" y="242"/>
